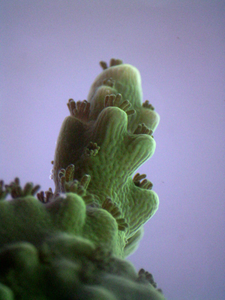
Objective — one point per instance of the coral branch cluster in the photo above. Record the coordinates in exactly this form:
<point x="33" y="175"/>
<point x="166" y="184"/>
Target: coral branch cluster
<point x="79" y="234"/>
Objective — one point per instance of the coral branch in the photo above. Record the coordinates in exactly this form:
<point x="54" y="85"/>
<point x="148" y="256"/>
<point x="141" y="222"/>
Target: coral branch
<point x="79" y="235"/>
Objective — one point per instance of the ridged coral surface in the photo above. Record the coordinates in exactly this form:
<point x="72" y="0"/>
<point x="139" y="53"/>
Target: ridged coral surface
<point x="71" y="243"/>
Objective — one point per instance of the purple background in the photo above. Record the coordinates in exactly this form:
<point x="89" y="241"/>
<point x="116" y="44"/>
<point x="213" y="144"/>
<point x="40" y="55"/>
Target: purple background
<point x="50" y="52"/>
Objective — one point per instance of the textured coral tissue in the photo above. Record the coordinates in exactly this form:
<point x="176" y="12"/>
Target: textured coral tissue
<point x="71" y="243"/>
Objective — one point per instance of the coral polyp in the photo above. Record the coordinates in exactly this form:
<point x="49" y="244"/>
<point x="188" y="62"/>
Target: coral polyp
<point x="80" y="234"/>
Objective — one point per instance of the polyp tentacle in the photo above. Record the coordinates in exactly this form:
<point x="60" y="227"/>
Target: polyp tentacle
<point x="100" y="94"/>
<point x="147" y="104"/>
<point x="79" y="109"/>
<point x="17" y="191"/>
<point x="113" y="62"/>
<point x="92" y="149"/>
<point x="113" y="209"/>
<point x="109" y="82"/>
<point x="46" y="196"/>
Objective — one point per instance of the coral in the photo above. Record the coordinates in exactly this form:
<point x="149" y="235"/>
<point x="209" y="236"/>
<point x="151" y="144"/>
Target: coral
<point x="112" y="129"/>
<point x="71" y="243"/>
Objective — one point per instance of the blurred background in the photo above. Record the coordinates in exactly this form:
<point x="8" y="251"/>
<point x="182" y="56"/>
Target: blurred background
<point x="50" y="52"/>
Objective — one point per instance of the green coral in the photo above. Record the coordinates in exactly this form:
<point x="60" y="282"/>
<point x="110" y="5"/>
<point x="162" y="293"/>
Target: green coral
<point x="105" y="139"/>
<point x="70" y="244"/>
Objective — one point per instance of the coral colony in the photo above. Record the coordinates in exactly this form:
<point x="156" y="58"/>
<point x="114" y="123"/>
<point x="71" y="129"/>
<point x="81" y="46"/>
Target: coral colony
<point x="72" y="244"/>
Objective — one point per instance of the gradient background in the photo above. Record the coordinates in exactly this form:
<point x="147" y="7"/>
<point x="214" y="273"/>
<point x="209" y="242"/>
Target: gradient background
<point x="50" y="52"/>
